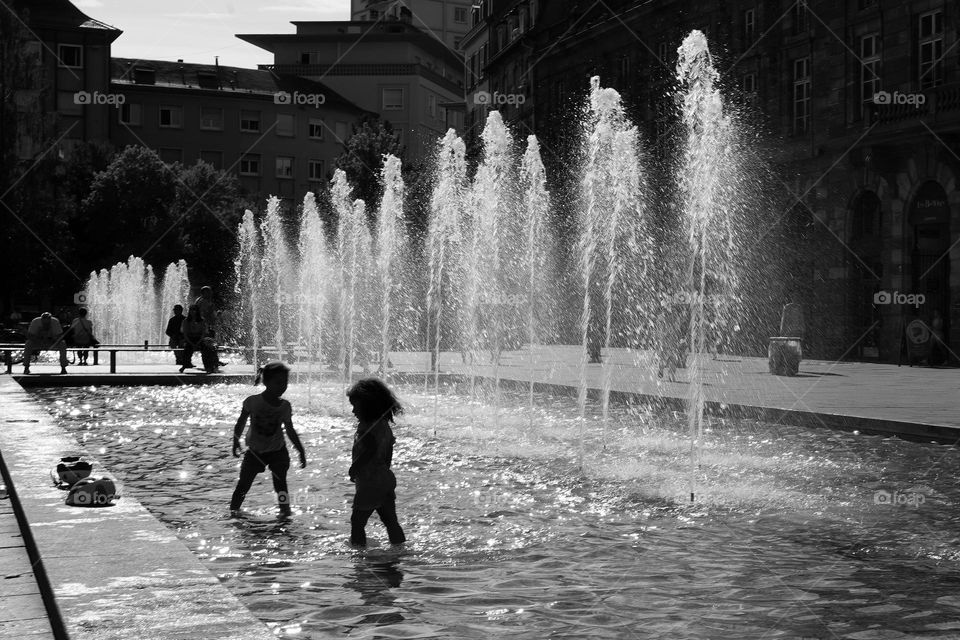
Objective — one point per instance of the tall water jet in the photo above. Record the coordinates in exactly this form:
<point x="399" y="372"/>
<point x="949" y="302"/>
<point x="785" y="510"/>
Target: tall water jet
<point x="174" y="290"/>
<point x="443" y="242"/>
<point x="247" y="280"/>
<point x="389" y="247"/>
<point x="704" y="181"/>
<point x="491" y="226"/>
<point x="315" y="271"/>
<point x="275" y="270"/>
<point x="352" y="249"/>
<point x="536" y="204"/>
<point x="611" y="229"/>
<point x="123" y="303"/>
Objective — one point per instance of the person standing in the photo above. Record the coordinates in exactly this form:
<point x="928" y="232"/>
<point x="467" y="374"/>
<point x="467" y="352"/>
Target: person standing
<point x="81" y="332"/>
<point x="175" y="333"/>
<point x="208" y="310"/>
<point x="375" y="407"/>
<point x="44" y="334"/>
<point x="270" y="417"/>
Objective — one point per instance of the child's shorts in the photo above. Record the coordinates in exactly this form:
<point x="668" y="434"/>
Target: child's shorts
<point x="256" y="462"/>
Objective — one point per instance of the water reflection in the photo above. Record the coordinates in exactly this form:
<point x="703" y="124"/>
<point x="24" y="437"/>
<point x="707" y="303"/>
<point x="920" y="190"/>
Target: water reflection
<point x="376" y="583"/>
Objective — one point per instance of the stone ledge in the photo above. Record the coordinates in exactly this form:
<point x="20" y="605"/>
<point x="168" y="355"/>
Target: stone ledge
<point x="116" y="572"/>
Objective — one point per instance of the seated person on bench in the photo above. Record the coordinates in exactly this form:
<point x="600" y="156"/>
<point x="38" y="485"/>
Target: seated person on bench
<point x="44" y="334"/>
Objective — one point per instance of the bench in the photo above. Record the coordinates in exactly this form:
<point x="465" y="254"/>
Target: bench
<point x="113" y="349"/>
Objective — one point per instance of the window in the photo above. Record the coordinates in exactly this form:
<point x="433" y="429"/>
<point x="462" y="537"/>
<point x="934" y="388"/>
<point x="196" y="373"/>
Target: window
<point x="867" y="216"/>
<point x="315" y="128"/>
<point x="392" y="99"/>
<point x="315" y="168"/>
<point x="250" y="121"/>
<point x="250" y="164"/>
<point x="460" y="15"/>
<point x="70" y="56"/>
<point x="801" y="95"/>
<point x="171" y="117"/>
<point x="130" y="113"/>
<point x="214" y="158"/>
<point x="748" y="84"/>
<point x="208" y="80"/>
<point x="341" y="130"/>
<point x="869" y="70"/>
<point x="801" y="17"/>
<point x="432" y="105"/>
<point x="285" y="124"/>
<point x="482" y="70"/>
<point x="211" y="118"/>
<point x="749" y="26"/>
<point x="284" y="167"/>
<point x="624" y="70"/>
<point x="930" y="39"/>
<point x="169" y="156"/>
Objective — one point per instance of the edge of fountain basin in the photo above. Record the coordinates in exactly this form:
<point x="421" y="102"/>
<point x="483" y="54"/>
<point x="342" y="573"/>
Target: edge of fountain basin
<point x="114" y="573"/>
<point x="913" y="431"/>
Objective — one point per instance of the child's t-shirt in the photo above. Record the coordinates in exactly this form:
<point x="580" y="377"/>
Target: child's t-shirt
<point x="266" y="423"/>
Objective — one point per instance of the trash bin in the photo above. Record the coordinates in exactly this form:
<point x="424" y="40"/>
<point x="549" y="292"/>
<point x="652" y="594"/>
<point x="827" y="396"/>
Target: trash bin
<point x="784" y="354"/>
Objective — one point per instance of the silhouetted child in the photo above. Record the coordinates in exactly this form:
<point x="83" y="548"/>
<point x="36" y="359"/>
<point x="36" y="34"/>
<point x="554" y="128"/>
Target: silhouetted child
<point x="269" y="415"/>
<point x="375" y="407"/>
<point x="175" y="333"/>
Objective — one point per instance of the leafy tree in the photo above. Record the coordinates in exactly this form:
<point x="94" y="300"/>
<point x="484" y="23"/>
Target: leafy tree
<point x="362" y="158"/>
<point x="206" y="210"/>
<point x="128" y="210"/>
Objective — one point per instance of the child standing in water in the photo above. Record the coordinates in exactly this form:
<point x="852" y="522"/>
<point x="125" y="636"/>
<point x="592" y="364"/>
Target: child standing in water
<point x="375" y="407"/>
<point x="269" y="416"/>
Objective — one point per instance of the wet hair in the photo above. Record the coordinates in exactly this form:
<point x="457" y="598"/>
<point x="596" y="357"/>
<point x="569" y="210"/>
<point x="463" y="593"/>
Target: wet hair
<point x="205" y="289"/>
<point x="374" y="400"/>
<point x="269" y="370"/>
<point x="178" y="306"/>
<point x="82" y="312"/>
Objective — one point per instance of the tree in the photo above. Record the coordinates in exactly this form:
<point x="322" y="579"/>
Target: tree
<point x="207" y="209"/>
<point x="128" y="210"/>
<point x="362" y="158"/>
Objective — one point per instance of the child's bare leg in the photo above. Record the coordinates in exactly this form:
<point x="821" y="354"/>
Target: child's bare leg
<point x="388" y="516"/>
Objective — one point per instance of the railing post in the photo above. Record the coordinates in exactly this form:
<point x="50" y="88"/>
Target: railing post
<point x="113" y="360"/>
<point x="8" y="355"/>
<point x="96" y="357"/>
<point x="146" y="345"/>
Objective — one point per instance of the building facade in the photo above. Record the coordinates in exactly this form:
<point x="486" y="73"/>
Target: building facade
<point x="855" y="108"/>
<point x="391" y="68"/>
<point x="66" y="99"/>
<point x="447" y="20"/>
<point x="280" y="135"/>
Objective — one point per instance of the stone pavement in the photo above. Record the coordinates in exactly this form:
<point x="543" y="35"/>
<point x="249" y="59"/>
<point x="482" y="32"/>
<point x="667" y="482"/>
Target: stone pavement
<point x="22" y="612"/>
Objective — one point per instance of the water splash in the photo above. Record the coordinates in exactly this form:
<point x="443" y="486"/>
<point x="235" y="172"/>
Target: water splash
<point x="389" y="247"/>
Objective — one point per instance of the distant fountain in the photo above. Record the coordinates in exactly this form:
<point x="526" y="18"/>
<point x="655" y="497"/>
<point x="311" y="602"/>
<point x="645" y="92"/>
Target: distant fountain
<point x="705" y="181"/>
<point x="125" y="305"/>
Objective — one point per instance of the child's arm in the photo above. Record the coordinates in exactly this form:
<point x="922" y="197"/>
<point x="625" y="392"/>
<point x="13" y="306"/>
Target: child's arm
<point x="295" y="439"/>
<point x="238" y="430"/>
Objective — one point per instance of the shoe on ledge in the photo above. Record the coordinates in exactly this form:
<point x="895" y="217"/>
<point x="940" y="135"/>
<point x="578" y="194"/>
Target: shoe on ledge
<point x="63" y="370"/>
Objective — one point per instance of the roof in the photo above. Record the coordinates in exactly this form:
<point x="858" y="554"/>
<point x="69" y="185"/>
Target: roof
<point x="60" y="14"/>
<point x="221" y="79"/>
<point x="358" y="32"/>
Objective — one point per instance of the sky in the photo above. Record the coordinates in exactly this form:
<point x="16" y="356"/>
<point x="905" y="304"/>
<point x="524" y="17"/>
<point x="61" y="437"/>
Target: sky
<point x="198" y="30"/>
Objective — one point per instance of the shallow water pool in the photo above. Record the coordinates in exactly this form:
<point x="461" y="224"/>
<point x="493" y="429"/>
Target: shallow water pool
<point x="520" y="528"/>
